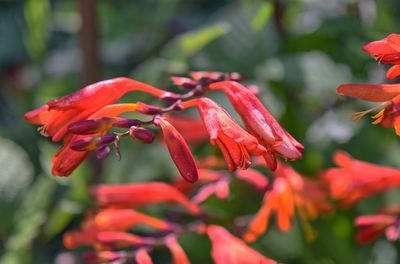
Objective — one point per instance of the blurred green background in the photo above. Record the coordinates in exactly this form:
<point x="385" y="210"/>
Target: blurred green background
<point x="296" y="51"/>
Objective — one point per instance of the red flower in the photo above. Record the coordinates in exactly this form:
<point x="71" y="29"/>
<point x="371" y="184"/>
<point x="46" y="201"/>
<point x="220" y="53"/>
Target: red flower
<point x="261" y="123"/>
<point x="386" y="50"/>
<point x="227" y="249"/>
<point x="142" y="256"/>
<point x="108" y="226"/>
<point x="55" y="116"/>
<point x="234" y="142"/>
<point x="355" y="179"/>
<point x="370" y="227"/>
<point x="66" y="159"/>
<point x="388" y="94"/>
<point x="289" y="192"/>
<point x="179" y="151"/>
<point x="140" y="194"/>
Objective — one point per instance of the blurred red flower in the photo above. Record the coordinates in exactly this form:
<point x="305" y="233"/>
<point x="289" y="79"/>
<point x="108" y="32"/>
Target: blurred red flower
<point x="227" y="249"/>
<point x="288" y="192"/>
<point x="386" y="221"/>
<point x="354" y="180"/>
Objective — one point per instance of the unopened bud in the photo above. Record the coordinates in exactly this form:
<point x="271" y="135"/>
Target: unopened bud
<point x="148" y="109"/>
<point x="184" y="83"/>
<point x="91" y="126"/>
<point x="91" y="143"/>
<point x="145" y="135"/>
<point x="126" y="123"/>
<point x="170" y="97"/>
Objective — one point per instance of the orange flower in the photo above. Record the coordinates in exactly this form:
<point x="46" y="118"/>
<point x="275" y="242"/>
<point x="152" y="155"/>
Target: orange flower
<point x="141" y="194"/>
<point x="289" y="192"/>
<point x="386" y="50"/>
<point x="370" y="227"/>
<point x="55" y="116"/>
<point x="179" y="150"/>
<point x="234" y="142"/>
<point x="260" y="123"/>
<point x="355" y="180"/>
<point x="142" y="256"/>
<point x="227" y="249"/>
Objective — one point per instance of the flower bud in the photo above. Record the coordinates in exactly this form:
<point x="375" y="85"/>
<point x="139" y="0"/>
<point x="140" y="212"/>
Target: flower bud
<point x="148" y="109"/>
<point x="91" y="143"/>
<point x="126" y="123"/>
<point x="145" y="135"/>
<point x="91" y="126"/>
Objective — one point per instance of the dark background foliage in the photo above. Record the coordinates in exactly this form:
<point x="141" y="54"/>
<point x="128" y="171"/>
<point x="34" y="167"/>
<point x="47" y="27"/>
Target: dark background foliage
<point x="297" y="51"/>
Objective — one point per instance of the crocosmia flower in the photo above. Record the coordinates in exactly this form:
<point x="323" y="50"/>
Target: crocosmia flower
<point x="354" y="179"/>
<point x="386" y="50"/>
<point x="55" y="116"/>
<point x="370" y="227"/>
<point x="227" y="249"/>
<point x="260" y="123"/>
<point x="234" y="142"/>
<point x="387" y="94"/>
<point x="289" y="193"/>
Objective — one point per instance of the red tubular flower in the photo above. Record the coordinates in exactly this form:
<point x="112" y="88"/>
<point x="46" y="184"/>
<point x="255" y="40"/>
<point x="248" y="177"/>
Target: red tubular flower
<point x="370" y="227"/>
<point x="115" y="220"/>
<point x="66" y="159"/>
<point x="386" y="50"/>
<point x="55" y="116"/>
<point x="234" y="142"/>
<point x="289" y="192"/>
<point x="260" y="123"/>
<point x="388" y="94"/>
<point x="140" y="194"/>
<point x="227" y="249"/>
<point x="125" y="219"/>
<point x="355" y="179"/>
<point x="179" y="151"/>
<point x="178" y="255"/>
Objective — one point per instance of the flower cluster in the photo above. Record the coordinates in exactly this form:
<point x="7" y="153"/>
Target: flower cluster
<point x="114" y="230"/>
<point x="85" y="119"/>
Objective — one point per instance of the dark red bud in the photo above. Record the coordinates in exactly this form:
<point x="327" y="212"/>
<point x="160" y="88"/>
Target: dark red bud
<point x="145" y="135"/>
<point x="91" y="143"/>
<point x="91" y="126"/>
<point x="103" y="152"/>
<point x="170" y="97"/>
<point x="148" y="109"/>
<point x="126" y="123"/>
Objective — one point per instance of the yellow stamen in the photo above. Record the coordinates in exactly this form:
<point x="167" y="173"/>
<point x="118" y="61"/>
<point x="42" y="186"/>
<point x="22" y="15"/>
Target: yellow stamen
<point x="379" y="117"/>
<point x="355" y="117"/>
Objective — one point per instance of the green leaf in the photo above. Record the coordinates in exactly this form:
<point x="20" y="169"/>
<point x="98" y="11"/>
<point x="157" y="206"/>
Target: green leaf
<point x="262" y="17"/>
<point x="29" y="218"/>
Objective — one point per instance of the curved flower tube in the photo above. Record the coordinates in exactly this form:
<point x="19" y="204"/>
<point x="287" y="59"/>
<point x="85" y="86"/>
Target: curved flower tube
<point x="260" y="123"/>
<point x="234" y="142"/>
<point x="55" y="116"/>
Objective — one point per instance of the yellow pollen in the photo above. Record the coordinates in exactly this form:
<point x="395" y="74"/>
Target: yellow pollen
<point x="379" y="116"/>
